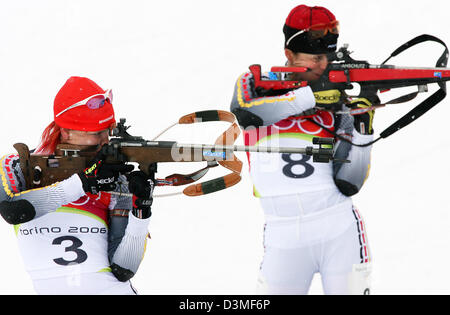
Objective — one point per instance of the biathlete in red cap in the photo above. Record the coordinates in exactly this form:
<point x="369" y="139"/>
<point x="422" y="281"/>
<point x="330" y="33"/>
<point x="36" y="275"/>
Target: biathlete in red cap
<point x="311" y="224"/>
<point x="69" y="241"/>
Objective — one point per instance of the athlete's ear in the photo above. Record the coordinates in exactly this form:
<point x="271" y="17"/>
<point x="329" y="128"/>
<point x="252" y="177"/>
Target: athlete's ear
<point x="289" y="55"/>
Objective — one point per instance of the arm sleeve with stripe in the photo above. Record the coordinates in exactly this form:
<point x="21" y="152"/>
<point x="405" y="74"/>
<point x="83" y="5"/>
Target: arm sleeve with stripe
<point x="127" y="237"/>
<point x="130" y="252"/>
<point x="253" y="110"/>
<point x="350" y="177"/>
<point x="118" y="223"/>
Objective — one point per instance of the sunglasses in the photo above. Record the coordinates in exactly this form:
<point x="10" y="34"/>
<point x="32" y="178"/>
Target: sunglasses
<point x="92" y="102"/>
<point x="318" y="30"/>
<point x="322" y="29"/>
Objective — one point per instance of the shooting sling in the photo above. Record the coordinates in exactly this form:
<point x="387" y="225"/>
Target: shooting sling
<point x="418" y="110"/>
<point x="226" y="138"/>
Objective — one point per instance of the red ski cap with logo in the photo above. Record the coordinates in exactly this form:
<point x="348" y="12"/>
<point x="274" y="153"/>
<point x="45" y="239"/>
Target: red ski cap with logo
<point x="311" y="30"/>
<point x="81" y="117"/>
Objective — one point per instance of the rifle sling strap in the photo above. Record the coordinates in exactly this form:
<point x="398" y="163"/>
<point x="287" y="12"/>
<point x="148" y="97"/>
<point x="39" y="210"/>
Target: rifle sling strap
<point x="432" y="100"/>
<point x="420" y="109"/>
<point x="226" y="138"/>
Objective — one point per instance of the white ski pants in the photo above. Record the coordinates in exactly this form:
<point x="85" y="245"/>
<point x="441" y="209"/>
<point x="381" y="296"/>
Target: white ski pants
<point x="332" y="242"/>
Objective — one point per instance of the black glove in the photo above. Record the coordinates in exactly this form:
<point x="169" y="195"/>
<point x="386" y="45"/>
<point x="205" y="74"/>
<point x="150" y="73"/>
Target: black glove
<point x="99" y="176"/>
<point x="141" y="186"/>
<point x="363" y="122"/>
<point x="328" y="95"/>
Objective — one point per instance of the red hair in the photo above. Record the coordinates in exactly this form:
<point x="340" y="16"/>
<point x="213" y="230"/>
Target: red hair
<point x="50" y="138"/>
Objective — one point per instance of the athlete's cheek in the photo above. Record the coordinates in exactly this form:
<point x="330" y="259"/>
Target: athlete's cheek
<point x="94" y="140"/>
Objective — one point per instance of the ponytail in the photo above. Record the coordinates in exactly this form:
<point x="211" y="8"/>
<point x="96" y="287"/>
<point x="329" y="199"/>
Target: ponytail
<point x="50" y="138"/>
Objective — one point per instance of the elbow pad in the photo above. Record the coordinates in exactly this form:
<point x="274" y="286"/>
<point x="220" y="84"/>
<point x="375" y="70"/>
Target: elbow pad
<point x="347" y="188"/>
<point x="17" y="212"/>
<point x="247" y="119"/>
<point x="121" y="274"/>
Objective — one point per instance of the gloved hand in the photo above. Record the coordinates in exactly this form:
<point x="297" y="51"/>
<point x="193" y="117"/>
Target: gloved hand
<point x="328" y="95"/>
<point x="141" y="186"/>
<point x="363" y="122"/>
<point x="328" y="99"/>
<point x="99" y="176"/>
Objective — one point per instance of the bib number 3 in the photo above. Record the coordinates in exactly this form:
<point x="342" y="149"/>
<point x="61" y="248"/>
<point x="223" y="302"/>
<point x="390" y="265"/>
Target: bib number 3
<point x="292" y="166"/>
<point x="81" y="255"/>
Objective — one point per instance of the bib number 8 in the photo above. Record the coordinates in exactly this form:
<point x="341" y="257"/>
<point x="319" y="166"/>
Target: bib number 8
<point x="288" y="168"/>
<point x="75" y="247"/>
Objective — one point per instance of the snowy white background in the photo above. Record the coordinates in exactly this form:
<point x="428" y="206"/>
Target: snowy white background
<point x="164" y="59"/>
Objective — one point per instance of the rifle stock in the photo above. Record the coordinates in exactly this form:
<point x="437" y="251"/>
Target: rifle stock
<point x="42" y="171"/>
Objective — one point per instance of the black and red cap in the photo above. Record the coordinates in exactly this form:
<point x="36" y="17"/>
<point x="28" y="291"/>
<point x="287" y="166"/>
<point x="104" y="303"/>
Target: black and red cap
<point x="312" y="30"/>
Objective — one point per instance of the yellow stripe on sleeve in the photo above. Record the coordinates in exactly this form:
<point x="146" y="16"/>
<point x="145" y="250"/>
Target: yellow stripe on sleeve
<point x="262" y="100"/>
<point x="6" y="186"/>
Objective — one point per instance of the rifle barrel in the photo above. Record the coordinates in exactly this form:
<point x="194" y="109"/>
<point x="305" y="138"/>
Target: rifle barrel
<point x="245" y="148"/>
<point x="171" y="151"/>
<point x="216" y="148"/>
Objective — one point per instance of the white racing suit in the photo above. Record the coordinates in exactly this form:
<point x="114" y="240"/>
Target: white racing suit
<point x="311" y="225"/>
<point x="72" y="242"/>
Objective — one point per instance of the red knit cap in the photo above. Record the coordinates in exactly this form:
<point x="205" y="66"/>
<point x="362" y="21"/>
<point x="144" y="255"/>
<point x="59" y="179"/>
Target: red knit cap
<point x="81" y="117"/>
<point x="302" y="17"/>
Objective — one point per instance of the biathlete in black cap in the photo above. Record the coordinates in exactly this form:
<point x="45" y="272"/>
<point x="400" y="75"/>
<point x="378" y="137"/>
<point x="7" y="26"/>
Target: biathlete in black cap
<point x="311" y="223"/>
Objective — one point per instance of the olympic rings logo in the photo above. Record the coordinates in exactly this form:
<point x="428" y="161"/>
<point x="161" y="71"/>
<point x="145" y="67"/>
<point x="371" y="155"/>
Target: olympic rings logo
<point x="287" y="124"/>
<point x="85" y="199"/>
<point x="82" y="201"/>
